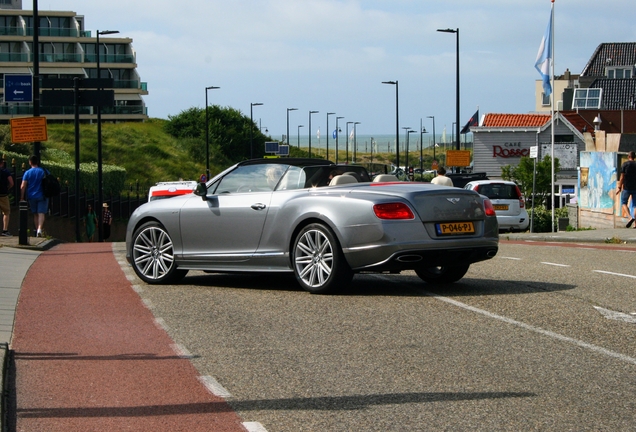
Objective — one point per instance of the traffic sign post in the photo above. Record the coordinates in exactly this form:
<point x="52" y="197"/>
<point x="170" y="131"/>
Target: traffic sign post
<point x="18" y="88"/>
<point x="28" y="129"/>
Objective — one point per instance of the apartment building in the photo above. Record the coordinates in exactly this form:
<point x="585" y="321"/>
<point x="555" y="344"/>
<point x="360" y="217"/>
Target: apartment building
<point x="68" y="50"/>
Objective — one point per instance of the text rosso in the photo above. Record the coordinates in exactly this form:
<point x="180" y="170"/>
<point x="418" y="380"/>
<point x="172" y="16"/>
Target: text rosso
<point x="499" y="151"/>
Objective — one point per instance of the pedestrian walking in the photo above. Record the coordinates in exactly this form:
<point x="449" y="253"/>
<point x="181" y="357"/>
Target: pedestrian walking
<point x="107" y="220"/>
<point x="90" y="221"/>
<point x="627" y="186"/>
<point x="6" y="184"/>
<point x="31" y="190"/>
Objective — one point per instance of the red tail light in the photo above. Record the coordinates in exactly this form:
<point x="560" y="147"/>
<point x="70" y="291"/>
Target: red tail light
<point x="393" y="211"/>
<point x="490" y="211"/>
<point x="522" y="202"/>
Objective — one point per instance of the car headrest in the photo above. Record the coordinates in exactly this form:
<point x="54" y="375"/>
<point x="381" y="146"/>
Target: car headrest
<point x="342" y="179"/>
<point x="385" y="178"/>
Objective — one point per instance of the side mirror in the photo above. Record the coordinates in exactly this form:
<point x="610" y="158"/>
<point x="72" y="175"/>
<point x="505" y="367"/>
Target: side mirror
<point x="202" y="191"/>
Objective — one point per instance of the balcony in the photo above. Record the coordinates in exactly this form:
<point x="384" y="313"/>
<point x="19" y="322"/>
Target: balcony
<point x="15" y="57"/>
<point x="61" y="58"/>
<point x="12" y="31"/>
<point x="109" y="58"/>
<point x="55" y="31"/>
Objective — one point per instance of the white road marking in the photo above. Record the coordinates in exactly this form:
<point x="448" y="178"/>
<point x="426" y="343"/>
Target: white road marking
<point x="555" y="264"/>
<point x="214" y="387"/>
<point x="615" y="274"/>
<point x="580" y="343"/>
<point x="510" y="258"/>
<point x="615" y="315"/>
<point x="147" y="303"/>
<point x="254" y="427"/>
<point x="131" y="278"/>
<point x="161" y="324"/>
<point x="181" y="351"/>
<point x="138" y="289"/>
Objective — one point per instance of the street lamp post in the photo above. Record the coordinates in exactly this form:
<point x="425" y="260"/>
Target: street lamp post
<point x="299" y="126"/>
<point x="310" y="113"/>
<point x="207" y="134"/>
<point x="456" y="31"/>
<point x="288" y="110"/>
<point x="355" y="141"/>
<point x="422" y="132"/>
<point x="347" y="146"/>
<point x="100" y="171"/>
<point x="328" y="114"/>
<point x="434" y="144"/>
<point x="397" y="121"/>
<point x="407" y="132"/>
<point x="337" y="135"/>
<point x="252" y="105"/>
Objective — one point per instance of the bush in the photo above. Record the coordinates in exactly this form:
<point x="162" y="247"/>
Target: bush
<point x="542" y="216"/>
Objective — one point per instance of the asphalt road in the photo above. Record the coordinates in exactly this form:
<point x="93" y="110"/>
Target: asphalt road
<point x="539" y="338"/>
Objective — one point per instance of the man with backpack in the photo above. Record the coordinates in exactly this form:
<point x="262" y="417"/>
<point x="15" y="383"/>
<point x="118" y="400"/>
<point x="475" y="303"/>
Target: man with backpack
<point x="6" y="184"/>
<point x="31" y="189"/>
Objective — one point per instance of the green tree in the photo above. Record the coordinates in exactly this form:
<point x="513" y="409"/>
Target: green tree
<point x="228" y="133"/>
<point x="522" y="174"/>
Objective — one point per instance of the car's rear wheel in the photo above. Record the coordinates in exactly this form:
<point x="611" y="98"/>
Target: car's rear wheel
<point x="319" y="264"/>
<point x="442" y="274"/>
<point x="153" y="255"/>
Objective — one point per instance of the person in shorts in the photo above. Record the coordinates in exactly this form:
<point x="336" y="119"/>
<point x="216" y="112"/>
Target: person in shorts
<point x="627" y="185"/>
<point x="6" y="184"/>
<point x="31" y="190"/>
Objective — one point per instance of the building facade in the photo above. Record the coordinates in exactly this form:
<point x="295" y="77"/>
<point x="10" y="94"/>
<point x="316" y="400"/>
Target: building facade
<point x="67" y="50"/>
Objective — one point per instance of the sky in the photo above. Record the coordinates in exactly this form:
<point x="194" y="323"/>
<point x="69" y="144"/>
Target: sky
<point x="332" y="55"/>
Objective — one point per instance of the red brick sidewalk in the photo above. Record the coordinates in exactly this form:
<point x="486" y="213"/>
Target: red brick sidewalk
<point x="89" y="356"/>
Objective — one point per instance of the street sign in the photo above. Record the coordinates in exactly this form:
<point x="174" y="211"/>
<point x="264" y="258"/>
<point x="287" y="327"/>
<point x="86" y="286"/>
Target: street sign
<point x="18" y="88"/>
<point x="458" y="158"/>
<point x="28" y="129"/>
<point x="534" y="152"/>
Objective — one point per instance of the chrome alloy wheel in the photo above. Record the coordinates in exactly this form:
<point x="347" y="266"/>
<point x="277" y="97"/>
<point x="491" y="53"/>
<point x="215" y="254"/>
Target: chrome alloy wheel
<point x="314" y="258"/>
<point x="153" y="253"/>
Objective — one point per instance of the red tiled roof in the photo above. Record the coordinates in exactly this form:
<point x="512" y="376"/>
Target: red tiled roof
<point x="515" y="120"/>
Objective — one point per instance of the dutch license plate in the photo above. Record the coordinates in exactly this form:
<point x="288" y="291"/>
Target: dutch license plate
<point x="454" y="228"/>
<point x="500" y="206"/>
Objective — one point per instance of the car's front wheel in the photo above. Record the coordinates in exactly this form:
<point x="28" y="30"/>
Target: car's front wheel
<point x="153" y="255"/>
<point x="442" y="274"/>
<point x="319" y="264"/>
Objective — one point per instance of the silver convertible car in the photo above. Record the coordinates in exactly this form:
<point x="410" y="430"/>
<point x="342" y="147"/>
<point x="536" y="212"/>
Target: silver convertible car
<point x="321" y="221"/>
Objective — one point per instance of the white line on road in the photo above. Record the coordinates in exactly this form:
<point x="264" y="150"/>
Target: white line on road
<point x="510" y="258"/>
<point x="254" y="427"/>
<point x="615" y="315"/>
<point x="214" y="387"/>
<point x="615" y="274"/>
<point x="181" y="351"/>
<point x="555" y="264"/>
<point x="161" y="324"/>
<point x="591" y="347"/>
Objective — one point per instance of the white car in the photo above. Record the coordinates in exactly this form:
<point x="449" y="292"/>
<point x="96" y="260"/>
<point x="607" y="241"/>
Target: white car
<point x="507" y="200"/>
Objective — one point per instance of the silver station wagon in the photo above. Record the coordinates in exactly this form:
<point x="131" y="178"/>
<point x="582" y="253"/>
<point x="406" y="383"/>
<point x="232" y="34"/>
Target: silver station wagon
<point x="321" y="221"/>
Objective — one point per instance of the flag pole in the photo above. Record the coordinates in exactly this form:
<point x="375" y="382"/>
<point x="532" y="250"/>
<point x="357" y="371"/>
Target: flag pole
<point x="552" y="195"/>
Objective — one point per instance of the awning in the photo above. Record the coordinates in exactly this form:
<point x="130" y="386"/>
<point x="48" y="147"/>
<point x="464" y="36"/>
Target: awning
<point x="15" y="70"/>
<point x="127" y="96"/>
<point x="62" y="71"/>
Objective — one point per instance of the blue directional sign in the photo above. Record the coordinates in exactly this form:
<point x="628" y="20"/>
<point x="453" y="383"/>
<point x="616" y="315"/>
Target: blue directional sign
<point x="18" y="88"/>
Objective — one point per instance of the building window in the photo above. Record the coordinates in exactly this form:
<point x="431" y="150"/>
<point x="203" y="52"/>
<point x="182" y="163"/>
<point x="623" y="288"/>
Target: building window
<point x="589" y="98"/>
<point x="545" y="100"/>
<point x="623" y="72"/>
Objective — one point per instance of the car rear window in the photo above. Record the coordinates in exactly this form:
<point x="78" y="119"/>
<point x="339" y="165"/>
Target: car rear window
<point x="499" y="191"/>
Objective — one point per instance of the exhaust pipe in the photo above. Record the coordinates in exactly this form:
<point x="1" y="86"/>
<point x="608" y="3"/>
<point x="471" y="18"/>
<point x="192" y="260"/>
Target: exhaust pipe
<point x="409" y="258"/>
<point x="491" y="253"/>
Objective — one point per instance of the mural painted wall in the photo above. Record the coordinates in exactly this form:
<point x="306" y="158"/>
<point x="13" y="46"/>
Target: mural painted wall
<point x="597" y="181"/>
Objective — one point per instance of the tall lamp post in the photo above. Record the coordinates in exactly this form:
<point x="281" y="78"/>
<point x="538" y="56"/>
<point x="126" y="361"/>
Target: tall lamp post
<point x="328" y="114"/>
<point x="407" y="132"/>
<point x="252" y="105"/>
<point x="298" y="136"/>
<point x="310" y="113"/>
<point x="434" y="144"/>
<point x="100" y="174"/>
<point x="355" y="141"/>
<point x="288" y="110"/>
<point x="422" y="132"/>
<point x="456" y="31"/>
<point x="397" y="121"/>
<point x="337" y="135"/>
<point x="207" y="134"/>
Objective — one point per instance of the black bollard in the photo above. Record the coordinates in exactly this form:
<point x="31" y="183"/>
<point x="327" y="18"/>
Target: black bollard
<point x="24" y="238"/>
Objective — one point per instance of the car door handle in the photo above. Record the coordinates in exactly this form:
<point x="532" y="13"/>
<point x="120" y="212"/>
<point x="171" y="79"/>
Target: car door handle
<point x="258" y="206"/>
